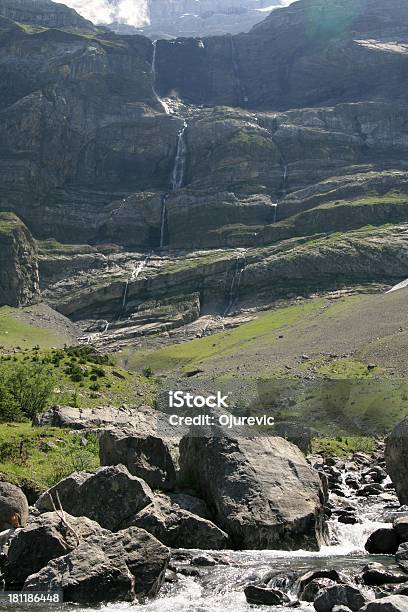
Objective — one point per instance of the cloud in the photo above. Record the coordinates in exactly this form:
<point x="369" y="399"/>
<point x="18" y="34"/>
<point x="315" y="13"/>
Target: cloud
<point x="131" y="12"/>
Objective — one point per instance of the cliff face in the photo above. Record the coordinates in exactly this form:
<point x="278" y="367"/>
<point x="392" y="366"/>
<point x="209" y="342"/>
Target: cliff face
<point x="294" y="131"/>
<point x="19" y="282"/>
<point x="43" y="13"/>
<point x="312" y="53"/>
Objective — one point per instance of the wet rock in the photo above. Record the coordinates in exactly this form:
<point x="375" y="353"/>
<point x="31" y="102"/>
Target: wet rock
<point x="203" y="560"/>
<point x="375" y="574"/>
<point x="13" y="507"/>
<point x="108" y="567"/>
<point x="275" y="503"/>
<point x="147" y="457"/>
<point x="341" y="594"/>
<point x="383" y="541"/>
<point x="394" y="603"/>
<point x="262" y="596"/>
<point x="109" y="496"/>
<point x="370" y="489"/>
<point x="396" y="456"/>
<point x="314" y="587"/>
<point x="401" y="556"/>
<point x="308" y="577"/>
<point x="177" y="527"/>
<point x="401" y="528"/>
<point x="47" y="537"/>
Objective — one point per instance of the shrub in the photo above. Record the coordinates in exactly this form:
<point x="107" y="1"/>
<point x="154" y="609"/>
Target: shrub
<point x="31" y="385"/>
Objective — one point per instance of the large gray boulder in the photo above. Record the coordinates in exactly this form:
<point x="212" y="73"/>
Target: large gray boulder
<point x="383" y="541"/>
<point x="108" y="567"/>
<point x="179" y="528"/>
<point x="145" y="456"/>
<point x="109" y="496"/>
<point x="47" y="537"/>
<point x="340" y="594"/>
<point x="12" y="502"/>
<point x="263" y="491"/>
<point x="396" y="457"/>
<point x="401" y="556"/>
<point x="393" y="603"/>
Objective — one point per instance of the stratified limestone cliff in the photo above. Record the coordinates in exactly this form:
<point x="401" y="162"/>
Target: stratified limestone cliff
<point x="19" y="283"/>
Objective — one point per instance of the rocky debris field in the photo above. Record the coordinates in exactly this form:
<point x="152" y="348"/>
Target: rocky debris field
<point x="92" y="526"/>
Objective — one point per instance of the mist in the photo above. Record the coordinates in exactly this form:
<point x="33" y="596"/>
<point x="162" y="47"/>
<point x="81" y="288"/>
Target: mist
<point x="131" y="12"/>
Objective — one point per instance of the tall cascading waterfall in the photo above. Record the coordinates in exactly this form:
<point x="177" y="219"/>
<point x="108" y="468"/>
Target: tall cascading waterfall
<point x="242" y="97"/>
<point x="176" y="179"/>
<point x="275" y="211"/>
<point x="233" y="294"/>
<point x="285" y="179"/>
<point x="154" y="73"/>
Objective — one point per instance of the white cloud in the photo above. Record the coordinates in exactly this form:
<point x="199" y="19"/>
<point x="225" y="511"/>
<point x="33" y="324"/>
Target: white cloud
<point x="131" y="12"/>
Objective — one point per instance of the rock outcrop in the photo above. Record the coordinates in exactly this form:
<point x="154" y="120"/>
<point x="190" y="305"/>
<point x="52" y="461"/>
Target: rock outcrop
<point x="105" y="567"/>
<point x="147" y="457"/>
<point x="19" y="282"/>
<point x="109" y="496"/>
<point x="13" y="507"/>
<point x="275" y="503"/>
<point x="177" y="527"/>
<point x="396" y="456"/>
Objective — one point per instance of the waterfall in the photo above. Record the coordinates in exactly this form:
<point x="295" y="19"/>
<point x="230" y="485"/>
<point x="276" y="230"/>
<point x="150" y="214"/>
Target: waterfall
<point x="163" y="220"/>
<point x="125" y="292"/>
<point x="275" y="211"/>
<point x="176" y="179"/>
<point x="233" y="294"/>
<point x="177" y="176"/>
<point x="154" y="73"/>
<point x="285" y="180"/>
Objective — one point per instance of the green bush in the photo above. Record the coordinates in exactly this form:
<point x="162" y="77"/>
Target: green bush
<point x="31" y="386"/>
<point x="9" y="409"/>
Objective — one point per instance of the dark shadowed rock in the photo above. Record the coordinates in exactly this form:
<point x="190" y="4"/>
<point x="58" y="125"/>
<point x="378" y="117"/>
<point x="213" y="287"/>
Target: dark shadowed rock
<point x="264" y="492"/>
<point x="376" y="574"/>
<point x="177" y="527"/>
<point x="12" y="500"/>
<point x="401" y="528"/>
<point x="396" y="457"/>
<point x="109" y="496"/>
<point x="394" y="603"/>
<point x="269" y="597"/>
<point x="341" y="594"/>
<point x="147" y="457"/>
<point x="304" y="580"/>
<point x="402" y="556"/>
<point x="314" y="587"/>
<point x="107" y="567"/>
<point x="47" y="537"/>
<point x="383" y="541"/>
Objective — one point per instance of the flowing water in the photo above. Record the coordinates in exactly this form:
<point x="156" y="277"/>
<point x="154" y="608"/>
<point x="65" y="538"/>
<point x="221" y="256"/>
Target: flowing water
<point x="154" y="73"/>
<point x="233" y="293"/>
<point x="177" y="177"/>
<point x="221" y="588"/>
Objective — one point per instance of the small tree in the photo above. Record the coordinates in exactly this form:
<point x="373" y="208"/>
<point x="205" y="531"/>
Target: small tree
<point x="31" y="385"/>
<point x="9" y="409"/>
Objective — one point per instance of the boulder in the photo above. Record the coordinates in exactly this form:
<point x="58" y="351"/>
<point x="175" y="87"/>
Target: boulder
<point x="306" y="578"/>
<point x="314" y="587"/>
<point x="106" y="568"/>
<point x="375" y="574"/>
<point x="340" y="594"/>
<point x="396" y="457"/>
<point x="383" y="541"/>
<point x="109" y="496"/>
<point x="147" y="456"/>
<point x="401" y="528"/>
<point x="262" y="596"/>
<point x="177" y="527"/>
<point x="393" y="603"/>
<point x="264" y="492"/>
<point x="47" y="537"/>
<point x="401" y="556"/>
<point x="12" y="502"/>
